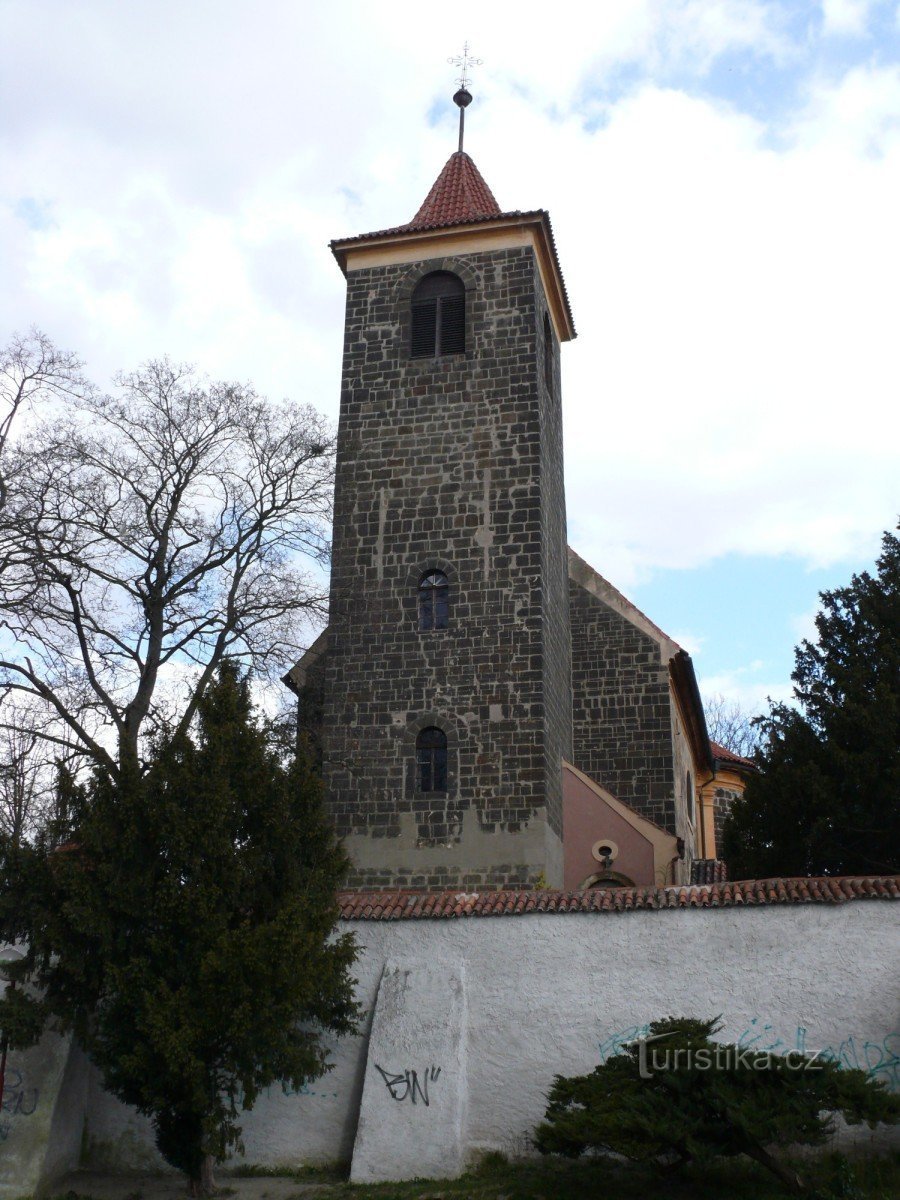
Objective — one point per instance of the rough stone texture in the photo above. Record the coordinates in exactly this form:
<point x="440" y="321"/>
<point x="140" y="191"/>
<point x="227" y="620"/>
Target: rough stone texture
<point x="622" y="709"/>
<point x="551" y="993"/>
<point x="723" y="798"/>
<point x="452" y="463"/>
<point x="412" y="1115"/>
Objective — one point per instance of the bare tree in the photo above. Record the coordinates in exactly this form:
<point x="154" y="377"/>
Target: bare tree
<point x="731" y="725"/>
<point x="32" y="368"/>
<point x="146" y="536"/>
<point x="28" y="771"/>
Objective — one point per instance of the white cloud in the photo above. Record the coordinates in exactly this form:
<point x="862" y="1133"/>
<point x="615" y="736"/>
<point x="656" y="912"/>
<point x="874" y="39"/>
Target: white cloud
<point x="803" y="626"/>
<point x="846" y="17"/>
<point x="692" y="642"/>
<point x="733" y="387"/>
<point x="739" y="686"/>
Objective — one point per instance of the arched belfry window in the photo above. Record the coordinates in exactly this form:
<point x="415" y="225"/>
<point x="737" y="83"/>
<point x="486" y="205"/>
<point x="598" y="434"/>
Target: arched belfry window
<point x="438" y="316"/>
<point x="434" y="601"/>
<point x="431" y="760"/>
<point x="689" y="796"/>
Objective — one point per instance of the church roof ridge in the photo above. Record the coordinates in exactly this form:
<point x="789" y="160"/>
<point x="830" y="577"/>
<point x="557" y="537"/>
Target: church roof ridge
<point x="622" y="597"/>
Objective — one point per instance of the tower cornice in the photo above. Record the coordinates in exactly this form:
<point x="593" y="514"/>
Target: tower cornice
<point x="491" y="232"/>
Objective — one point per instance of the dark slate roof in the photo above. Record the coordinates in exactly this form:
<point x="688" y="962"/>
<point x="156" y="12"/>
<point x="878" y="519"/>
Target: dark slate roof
<point x="411" y="905"/>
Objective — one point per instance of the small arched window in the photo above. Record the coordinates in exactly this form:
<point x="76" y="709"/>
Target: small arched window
<point x="438" y="312"/>
<point x="434" y="601"/>
<point x="431" y="760"/>
<point x="548" y="353"/>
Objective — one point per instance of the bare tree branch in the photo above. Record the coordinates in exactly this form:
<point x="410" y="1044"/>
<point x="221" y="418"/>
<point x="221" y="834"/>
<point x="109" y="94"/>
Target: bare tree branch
<point x="731" y="726"/>
<point x="148" y="534"/>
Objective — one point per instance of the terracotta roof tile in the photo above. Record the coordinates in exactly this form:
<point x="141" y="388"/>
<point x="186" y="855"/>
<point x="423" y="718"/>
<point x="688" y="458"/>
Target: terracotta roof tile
<point x="458" y="194"/>
<point x="708" y="870"/>
<point x="411" y="906"/>
<point x="727" y="755"/>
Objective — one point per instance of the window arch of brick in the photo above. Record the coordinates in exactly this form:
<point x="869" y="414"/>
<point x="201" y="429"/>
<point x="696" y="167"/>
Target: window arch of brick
<point x="438" y="316"/>
<point x="434" y="600"/>
<point x="416" y="573"/>
<point x="411" y="735"/>
<point x="606" y="879"/>
<point x="432" y="760"/>
<point x="410" y="281"/>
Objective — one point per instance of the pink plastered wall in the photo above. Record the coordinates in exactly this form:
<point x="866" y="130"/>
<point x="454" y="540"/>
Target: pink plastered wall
<point x="587" y="818"/>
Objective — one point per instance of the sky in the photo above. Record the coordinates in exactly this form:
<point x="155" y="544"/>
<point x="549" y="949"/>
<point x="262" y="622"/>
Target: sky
<point x="723" y="178"/>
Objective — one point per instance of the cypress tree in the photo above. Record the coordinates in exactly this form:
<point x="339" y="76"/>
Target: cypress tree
<point x="825" y="799"/>
<point x="194" y="924"/>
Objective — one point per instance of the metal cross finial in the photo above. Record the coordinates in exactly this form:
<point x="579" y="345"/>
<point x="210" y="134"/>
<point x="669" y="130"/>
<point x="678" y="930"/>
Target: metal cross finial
<point x="463" y="97"/>
<point x="465" y="62"/>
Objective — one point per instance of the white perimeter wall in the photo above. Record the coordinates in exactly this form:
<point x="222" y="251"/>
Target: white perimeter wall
<point x="557" y="993"/>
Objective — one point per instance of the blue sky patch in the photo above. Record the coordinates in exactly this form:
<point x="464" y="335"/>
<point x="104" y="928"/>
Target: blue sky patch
<point x="35" y="213"/>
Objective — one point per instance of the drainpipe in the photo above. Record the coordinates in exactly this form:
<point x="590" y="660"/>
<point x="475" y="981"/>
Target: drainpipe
<point x="706" y="783"/>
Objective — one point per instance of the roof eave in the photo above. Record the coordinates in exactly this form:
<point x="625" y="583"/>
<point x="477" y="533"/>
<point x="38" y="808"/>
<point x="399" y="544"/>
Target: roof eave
<point x="684" y="679"/>
<point x="539" y="220"/>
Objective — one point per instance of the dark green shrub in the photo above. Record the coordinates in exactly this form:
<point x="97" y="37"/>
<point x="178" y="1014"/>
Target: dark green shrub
<point x="678" y="1097"/>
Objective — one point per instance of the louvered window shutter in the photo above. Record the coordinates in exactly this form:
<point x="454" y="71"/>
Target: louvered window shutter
<point x="452" y="325"/>
<point x="438" y="312"/>
<point x="424" y="329"/>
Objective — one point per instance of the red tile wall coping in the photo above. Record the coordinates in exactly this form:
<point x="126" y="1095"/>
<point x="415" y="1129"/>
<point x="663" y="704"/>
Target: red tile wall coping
<point x="413" y="905"/>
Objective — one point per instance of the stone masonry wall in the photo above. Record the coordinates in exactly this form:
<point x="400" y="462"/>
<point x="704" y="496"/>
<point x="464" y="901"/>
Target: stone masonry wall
<point x="723" y="798"/>
<point x="622" y="720"/>
<point x="452" y="463"/>
<point x="554" y="573"/>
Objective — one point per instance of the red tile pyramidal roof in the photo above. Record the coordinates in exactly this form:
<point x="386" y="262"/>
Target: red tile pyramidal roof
<point x="458" y="194"/>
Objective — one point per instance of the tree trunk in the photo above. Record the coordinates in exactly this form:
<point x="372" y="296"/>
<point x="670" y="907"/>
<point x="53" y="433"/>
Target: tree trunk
<point x="789" y="1178"/>
<point x="204" y="1184"/>
<point x="207" y="1178"/>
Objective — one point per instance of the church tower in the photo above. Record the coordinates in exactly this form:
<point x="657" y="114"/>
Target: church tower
<point x="447" y="677"/>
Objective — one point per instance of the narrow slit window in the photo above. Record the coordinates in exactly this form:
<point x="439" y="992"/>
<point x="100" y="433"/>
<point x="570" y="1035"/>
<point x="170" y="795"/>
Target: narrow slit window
<point x="434" y="601"/>
<point x="431" y="760"/>
<point x="548" y="353"/>
<point x="438" y="316"/>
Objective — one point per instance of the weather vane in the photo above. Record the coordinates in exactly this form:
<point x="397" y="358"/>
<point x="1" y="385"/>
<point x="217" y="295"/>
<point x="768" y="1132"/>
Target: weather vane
<point x="463" y="97"/>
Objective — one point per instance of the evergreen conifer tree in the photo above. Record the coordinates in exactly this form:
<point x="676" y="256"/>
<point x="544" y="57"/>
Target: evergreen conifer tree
<point x="825" y="798"/>
<point x="193" y="925"/>
<point x="678" y="1096"/>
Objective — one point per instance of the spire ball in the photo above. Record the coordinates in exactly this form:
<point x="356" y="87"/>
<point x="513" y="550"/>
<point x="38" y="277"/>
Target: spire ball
<point x="463" y="98"/>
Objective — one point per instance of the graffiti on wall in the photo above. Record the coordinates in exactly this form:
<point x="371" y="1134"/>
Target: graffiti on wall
<point x="304" y="1089"/>
<point x="879" y="1059"/>
<point x="18" y="1101"/>
<point x="409" y="1085"/>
